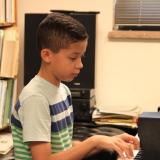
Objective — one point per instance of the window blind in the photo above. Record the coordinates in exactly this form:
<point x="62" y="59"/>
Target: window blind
<point x="137" y="13"/>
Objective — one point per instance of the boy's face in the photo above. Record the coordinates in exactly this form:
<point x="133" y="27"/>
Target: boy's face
<point x="66" y="64"/>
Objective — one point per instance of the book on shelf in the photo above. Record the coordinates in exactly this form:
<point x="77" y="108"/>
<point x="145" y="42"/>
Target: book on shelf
<point x="2" y="100"/>
<point x="6" y="101"/>
<point x="1" y="43"/>
<point x="7" y="12"/>
<point x="10" y="11"/>
<point x="2" y="11"/>
<point x="9" y="53"/>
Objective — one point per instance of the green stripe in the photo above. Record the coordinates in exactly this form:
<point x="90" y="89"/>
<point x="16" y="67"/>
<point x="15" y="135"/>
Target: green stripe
<point x="21" y="146"/>
<point x="69" y="128"/>
<point x="58" y="149"/>
<point x="22" y="153"/>
<point x="21" y="157"/>
<point x="61" y="148"/>
<point x="61" y="143"/>
<point x="16" y="129"/>
<point x="21" y="149"/>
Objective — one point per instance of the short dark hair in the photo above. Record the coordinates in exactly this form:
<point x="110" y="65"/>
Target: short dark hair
<point x="59" y="30"/>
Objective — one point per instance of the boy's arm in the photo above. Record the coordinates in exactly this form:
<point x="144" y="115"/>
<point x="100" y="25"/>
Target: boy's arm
<point x="42" y="151"/>
<point x="121" y="144"/>
<point x="77" y="142"/>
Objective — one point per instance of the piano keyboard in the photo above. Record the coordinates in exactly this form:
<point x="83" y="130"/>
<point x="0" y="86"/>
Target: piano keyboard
<point x="138" y="156"/>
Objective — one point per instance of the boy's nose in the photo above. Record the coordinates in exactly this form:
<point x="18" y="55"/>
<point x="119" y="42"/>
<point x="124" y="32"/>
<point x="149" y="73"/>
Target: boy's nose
<point x="79" y="64"/>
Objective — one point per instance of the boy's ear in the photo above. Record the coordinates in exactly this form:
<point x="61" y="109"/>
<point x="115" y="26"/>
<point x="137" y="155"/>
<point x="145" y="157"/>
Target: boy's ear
<point x="46" y="55"/>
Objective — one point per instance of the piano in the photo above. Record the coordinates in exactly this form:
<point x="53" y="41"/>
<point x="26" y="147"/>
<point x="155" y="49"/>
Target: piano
<point x="85" y="130"/>
<point x="137" y="155"/>
<point x="149" y="134"/>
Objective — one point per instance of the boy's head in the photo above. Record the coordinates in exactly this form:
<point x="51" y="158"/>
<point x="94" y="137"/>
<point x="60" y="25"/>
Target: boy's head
<point x="57" y="31"/>
<point x="62" y="42"/>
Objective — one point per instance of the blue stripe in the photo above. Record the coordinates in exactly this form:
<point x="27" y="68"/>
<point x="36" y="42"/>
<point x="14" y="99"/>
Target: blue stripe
<point x="61" y="106"/>
<point x="62" y="124"/>
<point x="16" y="122"/>
<point x="17" y="106"/>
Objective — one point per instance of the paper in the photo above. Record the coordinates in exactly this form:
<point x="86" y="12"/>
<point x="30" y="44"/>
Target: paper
<point x="125" y="116"/>
<point x="6" y="142"/>
<point x="123" y="110"/>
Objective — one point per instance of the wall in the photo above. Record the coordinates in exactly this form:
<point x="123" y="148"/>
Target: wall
<point x="127" y="72"/>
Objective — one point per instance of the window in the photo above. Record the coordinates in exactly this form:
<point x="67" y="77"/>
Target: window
<point x="137" y="15"/>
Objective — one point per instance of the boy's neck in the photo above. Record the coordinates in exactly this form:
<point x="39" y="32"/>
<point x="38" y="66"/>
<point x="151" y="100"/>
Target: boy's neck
<point x="48" y="77"/>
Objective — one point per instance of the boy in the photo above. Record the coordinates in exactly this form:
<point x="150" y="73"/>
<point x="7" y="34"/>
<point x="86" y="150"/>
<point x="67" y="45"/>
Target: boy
<point x="42" y="120"/>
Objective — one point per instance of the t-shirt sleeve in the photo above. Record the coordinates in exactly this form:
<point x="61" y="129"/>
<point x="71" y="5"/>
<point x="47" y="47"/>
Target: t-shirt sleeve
<point x="35" y="119"/>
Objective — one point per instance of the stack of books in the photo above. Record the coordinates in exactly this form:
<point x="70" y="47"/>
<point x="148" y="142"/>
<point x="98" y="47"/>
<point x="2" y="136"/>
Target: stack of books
<point x="125" y="116"/>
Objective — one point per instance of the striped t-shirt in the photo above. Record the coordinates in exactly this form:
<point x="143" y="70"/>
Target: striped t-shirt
<point x="44" y="113"/>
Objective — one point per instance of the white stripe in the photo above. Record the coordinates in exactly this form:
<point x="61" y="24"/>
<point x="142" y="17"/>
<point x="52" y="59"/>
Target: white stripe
<point x="62" y="115"/>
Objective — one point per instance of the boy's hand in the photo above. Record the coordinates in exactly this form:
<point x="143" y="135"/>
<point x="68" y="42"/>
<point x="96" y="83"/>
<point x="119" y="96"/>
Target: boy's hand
<point x="130" y="139"/>
<point x="123" y="144"/>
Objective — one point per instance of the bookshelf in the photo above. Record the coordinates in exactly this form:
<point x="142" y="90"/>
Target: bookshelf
<point x="9" y="57"/>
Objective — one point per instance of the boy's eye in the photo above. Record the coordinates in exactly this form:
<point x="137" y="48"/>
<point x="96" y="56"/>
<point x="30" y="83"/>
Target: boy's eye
<point x="73" y="58"/>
